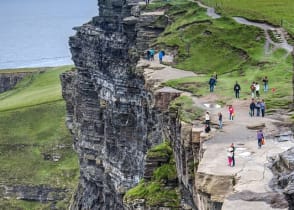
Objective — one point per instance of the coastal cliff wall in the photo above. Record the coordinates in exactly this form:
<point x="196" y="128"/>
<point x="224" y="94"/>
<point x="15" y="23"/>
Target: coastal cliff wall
<point x="109" y="111"/>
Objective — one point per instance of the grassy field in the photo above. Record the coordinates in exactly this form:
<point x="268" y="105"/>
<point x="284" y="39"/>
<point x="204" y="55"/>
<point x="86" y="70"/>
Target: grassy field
<point x="32" y="133"/>
<point x="276" y="12"/>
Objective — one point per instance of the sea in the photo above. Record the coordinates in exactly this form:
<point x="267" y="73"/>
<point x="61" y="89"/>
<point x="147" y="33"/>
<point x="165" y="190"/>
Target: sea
<point x="35" y="33"/>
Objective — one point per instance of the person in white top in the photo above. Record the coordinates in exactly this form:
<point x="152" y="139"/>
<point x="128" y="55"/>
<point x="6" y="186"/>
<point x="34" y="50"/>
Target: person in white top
<point x="257" y="89"/>
<point x="207" y="118"/>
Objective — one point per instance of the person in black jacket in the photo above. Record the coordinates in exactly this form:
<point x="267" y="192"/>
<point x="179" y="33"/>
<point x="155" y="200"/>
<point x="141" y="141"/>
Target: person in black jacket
<point x="237" y="89"/>
<point x="252" y="107"/>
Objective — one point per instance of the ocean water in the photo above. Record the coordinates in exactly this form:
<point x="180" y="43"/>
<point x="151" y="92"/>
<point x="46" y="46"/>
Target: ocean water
<point x="35" y="33"/>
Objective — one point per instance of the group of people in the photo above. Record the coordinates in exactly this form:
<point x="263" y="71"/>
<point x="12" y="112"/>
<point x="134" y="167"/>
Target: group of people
<point x="207" y="128"/>
<point x="151" y="52"/>
<point x="231" y="149"/>
<point x="259" y="105"/>
<point x="254" y="88"/>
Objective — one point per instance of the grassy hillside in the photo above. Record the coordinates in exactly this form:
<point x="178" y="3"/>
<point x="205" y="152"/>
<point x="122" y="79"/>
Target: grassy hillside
<point x="32" y="134"/>
<point x="234" y="51"/>
<point x="277" y="12"/>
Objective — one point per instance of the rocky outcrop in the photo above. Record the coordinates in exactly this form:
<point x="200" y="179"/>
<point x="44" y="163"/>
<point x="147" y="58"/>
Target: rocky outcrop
<point x="109" y="111"/>
<point x="9" y="80"/>
<point x="283" y="169"/>
<point x="33" y="193"/>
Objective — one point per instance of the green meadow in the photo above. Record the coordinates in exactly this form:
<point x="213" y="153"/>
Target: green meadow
<point x="32" y="134"/>
<point x="276" y="12"/>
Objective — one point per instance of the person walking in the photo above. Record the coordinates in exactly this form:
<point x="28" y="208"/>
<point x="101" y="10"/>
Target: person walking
<point x="160" y="56"/>
<point x="262" y="107"/>
<point x="252" y="88"/>
<point x="230" y="155"/>
<point x="257" y="87"/>
<point x="237" y="89"/>
<point x="211" y="83"/>
<point x="252" y="108"/>
<point x="259" y="138"/>
<point x="207" y="118"/>
<point x="233" y="154"/>
<point x="231" y="112"/>
<point x="152" y="52"/>
<point x="257" y="106"/>
<point x="265" y="84"/>
<point x="220" y="120"/>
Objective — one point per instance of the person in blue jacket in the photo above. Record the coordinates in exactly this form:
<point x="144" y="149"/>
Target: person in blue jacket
<point x="211" y="83"/>
<point x="160" y="56"/>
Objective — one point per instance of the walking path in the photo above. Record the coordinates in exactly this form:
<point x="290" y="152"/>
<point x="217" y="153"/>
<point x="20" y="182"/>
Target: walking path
<point x="251" y="170"/>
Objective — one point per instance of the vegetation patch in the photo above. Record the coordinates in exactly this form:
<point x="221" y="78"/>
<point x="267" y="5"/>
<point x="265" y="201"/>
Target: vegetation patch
<point x="187" y="109"/>
<point x="155" y="192"/>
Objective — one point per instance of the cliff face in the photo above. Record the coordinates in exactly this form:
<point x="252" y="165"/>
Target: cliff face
<point x="9" y="80"/>
<point x="109" y="110"/>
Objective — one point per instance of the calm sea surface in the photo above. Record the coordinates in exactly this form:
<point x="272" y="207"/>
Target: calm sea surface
<point x="35" y="33"/>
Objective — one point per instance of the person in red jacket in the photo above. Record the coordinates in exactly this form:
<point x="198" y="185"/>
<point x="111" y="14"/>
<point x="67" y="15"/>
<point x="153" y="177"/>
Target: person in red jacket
<point x="231" y="112"/>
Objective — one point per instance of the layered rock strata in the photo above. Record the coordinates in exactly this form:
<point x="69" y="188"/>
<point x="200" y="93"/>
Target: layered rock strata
<point x="109" y="111"/>
<point x="9" y="80"/>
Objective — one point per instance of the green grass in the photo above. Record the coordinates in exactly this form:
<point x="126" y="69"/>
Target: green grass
<point x="154" y="192"/>
<point x="205" y="45"/>
<point x="40" y="87"/>
<point x="276" y="12"/>
<point x="187" y="109"/>
<point x="32" y="127"/>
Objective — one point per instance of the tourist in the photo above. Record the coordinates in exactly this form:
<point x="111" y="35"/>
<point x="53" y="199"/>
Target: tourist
<point x="252" y="108"/>
<point x="147" y="2"/>
<point x="262" y="107"/>
<point x="258" y="106"/>
<point x="207" y="118"/>
<point x="237" y="89"/>
<point x="220" y="120"/>
<point x="252" y="88"/>
<point x="257" y="89"/>
<point x="265" y="84"/>
<point x="230" y="155"/>
<point x="233" y="154"/>
<point x="160" y="56"/>
<point x="207" y="129"/>
<point x="211" y="83"/>
<point x="152" y="54"/>
<point x="259" y="138"/>
<point x="148" y="55"/>
<point x="231" y="112"/>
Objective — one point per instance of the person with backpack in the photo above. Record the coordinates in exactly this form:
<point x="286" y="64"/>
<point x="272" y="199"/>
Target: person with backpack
<point x="260" y="136"/>
<point x="152" y="52"/>
<point x="252" y="88"/>
<point x="211" y="83"/>
<point x="160" y="56"/>
<point x="237" y="89"/>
